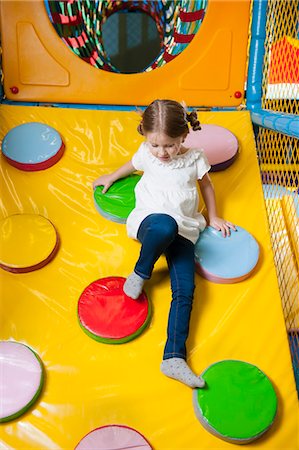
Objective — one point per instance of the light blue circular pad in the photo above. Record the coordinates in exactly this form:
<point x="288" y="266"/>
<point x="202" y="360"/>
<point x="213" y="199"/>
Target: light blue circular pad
<point x="226" y="259"/>
<point x="32" y="144"/>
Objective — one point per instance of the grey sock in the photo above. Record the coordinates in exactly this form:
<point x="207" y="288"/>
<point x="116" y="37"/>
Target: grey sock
<point x="133" y="285"/>
<point x="178" y="369"/>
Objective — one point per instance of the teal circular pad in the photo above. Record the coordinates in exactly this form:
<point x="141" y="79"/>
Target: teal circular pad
<point x="117" y="203"/>
<point x="238" y="403"/>
<point x="32" y="146"/>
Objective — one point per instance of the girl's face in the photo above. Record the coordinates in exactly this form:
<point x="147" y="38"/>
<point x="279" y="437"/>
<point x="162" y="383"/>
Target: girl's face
<point x="164" y="147"/>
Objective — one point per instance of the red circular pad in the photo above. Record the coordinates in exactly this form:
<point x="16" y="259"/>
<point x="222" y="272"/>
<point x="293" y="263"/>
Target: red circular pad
<point x="108" y="315"/>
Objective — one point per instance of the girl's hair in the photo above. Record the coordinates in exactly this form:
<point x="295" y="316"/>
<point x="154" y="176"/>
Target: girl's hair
<point x="169" y="117"/>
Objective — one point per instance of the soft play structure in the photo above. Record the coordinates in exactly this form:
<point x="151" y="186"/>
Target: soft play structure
<point x="79" y="360"/>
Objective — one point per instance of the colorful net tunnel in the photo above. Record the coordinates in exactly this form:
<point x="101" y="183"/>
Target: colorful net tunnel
<point x="79" y="24"/>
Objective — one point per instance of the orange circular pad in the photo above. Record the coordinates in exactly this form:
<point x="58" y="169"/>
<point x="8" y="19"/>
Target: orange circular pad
<point x="27" y="242"/>
<point x="108" y="315"/>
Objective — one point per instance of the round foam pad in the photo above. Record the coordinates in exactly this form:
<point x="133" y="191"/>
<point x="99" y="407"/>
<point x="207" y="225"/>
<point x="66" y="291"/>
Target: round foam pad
<point x="21" y="379"/>
<point x="108" y="315"/>
<point x="117" y="203"/>
<point x="219" y="144"/>
<point x="32" y="146"/>
<point x="238" y="403"/>
<point x="226" y="259"/>
<point x="113" y="437"/>
<point x="27" y="242"/>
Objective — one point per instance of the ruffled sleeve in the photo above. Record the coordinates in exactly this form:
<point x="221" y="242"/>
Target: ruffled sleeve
<point x="202" y="165"/>
<point x="138" y="158"/>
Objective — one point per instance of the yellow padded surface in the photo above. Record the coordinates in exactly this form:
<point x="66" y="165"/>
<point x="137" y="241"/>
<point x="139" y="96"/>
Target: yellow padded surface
<point x="89" y="384"/>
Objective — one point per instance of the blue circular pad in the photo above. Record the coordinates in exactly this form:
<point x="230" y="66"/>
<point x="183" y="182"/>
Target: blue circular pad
<point x="32" y="146"/>
<point x="226" y="259"/>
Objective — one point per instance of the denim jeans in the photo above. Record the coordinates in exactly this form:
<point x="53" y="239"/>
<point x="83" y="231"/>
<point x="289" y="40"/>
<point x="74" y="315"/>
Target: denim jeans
<point x="158" y="233"/>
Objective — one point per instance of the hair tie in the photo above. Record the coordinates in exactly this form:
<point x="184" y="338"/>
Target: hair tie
<point x="196" y="126"/>
<point x="193" y="119"/>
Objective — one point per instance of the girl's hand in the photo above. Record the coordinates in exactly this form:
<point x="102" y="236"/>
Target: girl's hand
<point x="222" y="225"/>
<point x="104" y="180"/>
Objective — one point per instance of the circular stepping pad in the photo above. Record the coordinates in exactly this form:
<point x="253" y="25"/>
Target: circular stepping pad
<point x="21" y="379"/>
<point x="219" y="144"/>
<point x="27" y="242"/>
<point x="108" y="315"/>
<point x="113" y="437"/>
<point x="238" y="403"/>
<point x="117" y="203"/>
<point x="226" y="259"/>
<point x="32" y="146"/>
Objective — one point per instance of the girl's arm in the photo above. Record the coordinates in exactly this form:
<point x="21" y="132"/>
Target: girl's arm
<point x="108" y="179"/>
<point x="208" y="194"/>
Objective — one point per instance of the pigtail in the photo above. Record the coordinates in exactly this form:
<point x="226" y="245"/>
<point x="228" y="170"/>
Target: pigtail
<point x="193" y="120"/>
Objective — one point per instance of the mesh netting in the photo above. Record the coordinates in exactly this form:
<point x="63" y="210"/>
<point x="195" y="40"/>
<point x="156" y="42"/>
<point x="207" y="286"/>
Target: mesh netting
<point x="279" y="158"/>
<point x="281" y="63"/>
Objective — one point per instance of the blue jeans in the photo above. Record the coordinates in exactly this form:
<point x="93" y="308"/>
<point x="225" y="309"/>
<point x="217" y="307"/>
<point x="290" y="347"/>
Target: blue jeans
<point x="158" y="233"/>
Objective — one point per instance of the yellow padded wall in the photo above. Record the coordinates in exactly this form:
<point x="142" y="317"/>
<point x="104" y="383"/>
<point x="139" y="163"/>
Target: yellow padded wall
<point x="89" y="384"/>
<point x="38" y="66"/>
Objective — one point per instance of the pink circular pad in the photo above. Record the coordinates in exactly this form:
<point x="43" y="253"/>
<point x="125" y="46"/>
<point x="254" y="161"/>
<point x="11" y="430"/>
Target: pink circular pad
<point x="113" y="437"/>
<point x="21" y="379"/>
<point x="219" y="144"/>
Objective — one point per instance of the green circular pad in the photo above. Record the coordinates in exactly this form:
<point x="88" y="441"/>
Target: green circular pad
<point x="117" y="203"/>
<point x="238" y="403"/>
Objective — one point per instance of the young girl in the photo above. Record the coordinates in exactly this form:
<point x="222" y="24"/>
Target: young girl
<point x="166" y="218"/>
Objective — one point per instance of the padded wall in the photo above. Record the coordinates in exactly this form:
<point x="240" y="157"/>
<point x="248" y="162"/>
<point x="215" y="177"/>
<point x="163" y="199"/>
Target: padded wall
<point x="38" y="66"/>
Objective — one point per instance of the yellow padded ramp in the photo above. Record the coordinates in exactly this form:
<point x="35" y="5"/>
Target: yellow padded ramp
<point x="89" y="384"/>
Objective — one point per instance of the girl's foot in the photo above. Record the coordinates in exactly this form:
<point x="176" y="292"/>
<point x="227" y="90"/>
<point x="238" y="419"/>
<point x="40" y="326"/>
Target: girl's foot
<point x="133" y="285"/>
<point x="178" y="369"/>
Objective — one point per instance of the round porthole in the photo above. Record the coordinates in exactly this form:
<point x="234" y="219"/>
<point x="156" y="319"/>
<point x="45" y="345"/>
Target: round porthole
<point x="127" y="37"/>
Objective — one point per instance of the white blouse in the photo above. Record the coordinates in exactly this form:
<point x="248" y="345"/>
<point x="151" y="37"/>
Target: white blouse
<point x="169" y="188"/>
